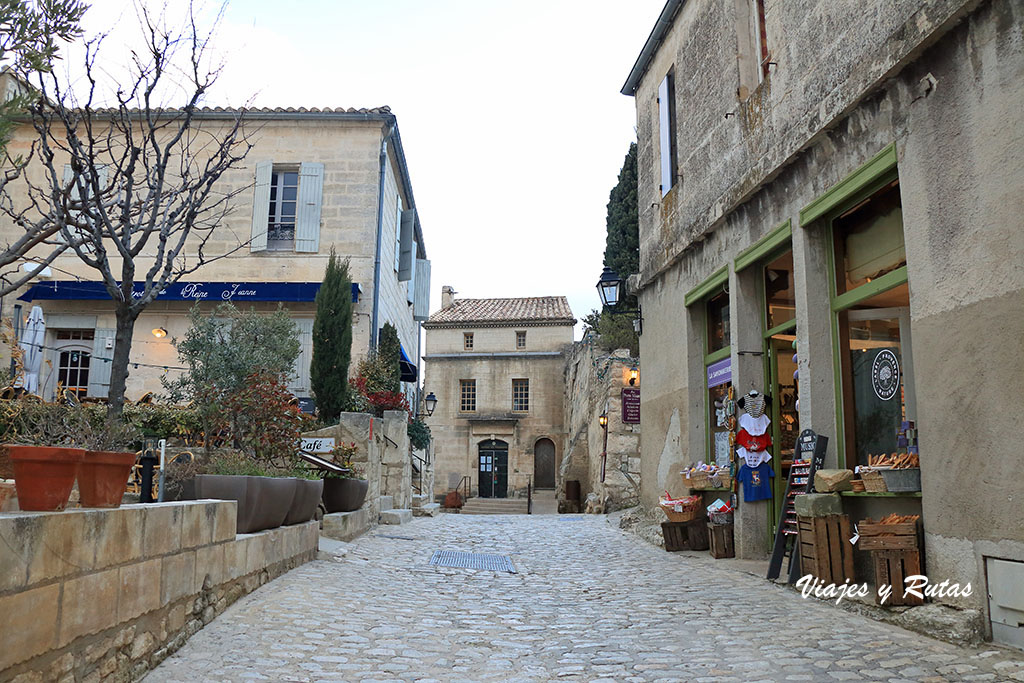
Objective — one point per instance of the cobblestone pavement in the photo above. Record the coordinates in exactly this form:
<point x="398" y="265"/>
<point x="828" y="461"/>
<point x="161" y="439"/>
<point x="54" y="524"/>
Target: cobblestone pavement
<point x="588" y="602"/>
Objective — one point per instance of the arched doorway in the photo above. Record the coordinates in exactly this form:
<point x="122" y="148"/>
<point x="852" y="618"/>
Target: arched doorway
<point x="493" y="469"/>
<point x="544" y="464"/>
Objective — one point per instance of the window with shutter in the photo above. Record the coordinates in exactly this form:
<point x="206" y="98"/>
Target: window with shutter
<point x="76" y="195"/>
<point x="398" y="233"/>
<point x="667" y="131"/>
<point x="307" y="224"/>
<point x="407" y="245"/>
<point x="421" y="305"/>
<point x="287" y="206"/>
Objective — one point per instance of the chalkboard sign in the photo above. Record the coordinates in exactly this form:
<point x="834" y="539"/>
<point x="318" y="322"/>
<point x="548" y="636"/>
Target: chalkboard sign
<point x="631" y="406"/>
<point x="811" y="447"/>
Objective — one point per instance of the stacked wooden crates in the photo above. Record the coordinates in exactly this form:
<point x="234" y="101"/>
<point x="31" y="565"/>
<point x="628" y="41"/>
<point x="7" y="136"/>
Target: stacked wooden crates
<point x="825" y="548"/>
<point x="896" y="554"/>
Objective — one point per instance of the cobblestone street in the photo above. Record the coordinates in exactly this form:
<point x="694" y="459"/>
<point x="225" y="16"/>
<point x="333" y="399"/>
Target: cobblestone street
<point x="588" y="602"/>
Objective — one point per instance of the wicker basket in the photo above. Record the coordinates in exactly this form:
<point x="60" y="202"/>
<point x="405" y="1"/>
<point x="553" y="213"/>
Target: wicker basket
<point x="873" y="481"/>
<point x="720" y="480"/>
<point x="720" y="517"/>
<point x="686" y="515"/>
<point x="696" y="480"/>
<point x="858" y="485"/>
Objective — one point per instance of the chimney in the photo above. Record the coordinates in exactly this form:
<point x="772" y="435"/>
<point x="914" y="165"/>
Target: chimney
<point x="447" y="297"/>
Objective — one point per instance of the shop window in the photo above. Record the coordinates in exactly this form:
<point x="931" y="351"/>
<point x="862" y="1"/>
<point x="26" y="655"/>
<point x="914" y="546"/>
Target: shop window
<point x="868" y="240"/>
<point x="718" y="322"/>
<point x="467" y="395"/>
<point x="779" y="293"/>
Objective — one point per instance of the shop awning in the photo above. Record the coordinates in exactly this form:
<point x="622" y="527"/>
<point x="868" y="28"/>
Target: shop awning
<point x="409" y="370"/>
<point x="70" y="290"/>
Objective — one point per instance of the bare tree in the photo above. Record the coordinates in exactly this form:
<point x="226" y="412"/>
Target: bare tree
<point x="139" y="199"/>
<point x="29" y="35"/>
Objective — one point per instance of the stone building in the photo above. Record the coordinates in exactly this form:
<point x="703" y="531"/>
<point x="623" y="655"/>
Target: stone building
<point x="319" y="179"/>
<point x="496" y="368"/>
<point x="830" y="197"/>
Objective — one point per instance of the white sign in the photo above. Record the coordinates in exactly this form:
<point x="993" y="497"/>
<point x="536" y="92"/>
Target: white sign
<point x="317" y="444"/>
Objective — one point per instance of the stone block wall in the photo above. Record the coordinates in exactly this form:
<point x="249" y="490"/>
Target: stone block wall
<point x="103" y="595"/>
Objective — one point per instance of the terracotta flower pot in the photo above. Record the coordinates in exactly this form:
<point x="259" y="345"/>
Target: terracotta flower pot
<point x="44" y="475"/>
<point x="103" y="477"/>
<point x="344" y="495"/>
<point x="307" y="497"/>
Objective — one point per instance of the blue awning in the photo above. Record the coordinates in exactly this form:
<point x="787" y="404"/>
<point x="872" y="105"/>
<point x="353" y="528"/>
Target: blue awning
<point x="71" y="290"/>
<point x="409" y="370"/>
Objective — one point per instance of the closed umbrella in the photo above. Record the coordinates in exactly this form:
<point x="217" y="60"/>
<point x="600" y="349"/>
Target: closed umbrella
<point x="32" y="346"/>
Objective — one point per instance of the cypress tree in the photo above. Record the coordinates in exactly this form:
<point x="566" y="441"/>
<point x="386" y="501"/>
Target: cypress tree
<point x="332" y="339"/>
<point x="390" y="352"/>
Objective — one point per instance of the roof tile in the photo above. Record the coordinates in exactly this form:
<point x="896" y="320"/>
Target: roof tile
<point x="546" y="309"/>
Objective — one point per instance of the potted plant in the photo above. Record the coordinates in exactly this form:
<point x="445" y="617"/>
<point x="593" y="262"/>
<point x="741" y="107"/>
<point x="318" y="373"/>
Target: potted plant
<point x="104" y="471"/>
<point x="40" y="444"/>
<point x="307" y="498"/>
<point x="344" y="491"/>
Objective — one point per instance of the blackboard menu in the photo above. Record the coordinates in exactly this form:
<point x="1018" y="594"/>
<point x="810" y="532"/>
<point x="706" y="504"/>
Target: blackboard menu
<point x="631" y="406"/>
<point x="811" y="447"/>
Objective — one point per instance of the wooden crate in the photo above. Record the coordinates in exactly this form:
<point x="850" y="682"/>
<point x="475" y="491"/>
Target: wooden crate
<point x="891" y="567"/>
<point x="825" y="548"/>
<point x="691" y="535"/>
<point x="721" y="541"/>
<point x="906" y="536"/>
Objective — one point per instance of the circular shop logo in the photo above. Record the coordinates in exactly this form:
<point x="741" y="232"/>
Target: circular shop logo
<point x="885" y="375"/>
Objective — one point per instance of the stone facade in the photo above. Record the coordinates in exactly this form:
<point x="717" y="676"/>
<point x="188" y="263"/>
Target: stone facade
<point x="921" y="97"/>
<point x="593" y="385"/>
<point x="106" y="595"/>
<point x="512" y="340"/>
<point x="348" y="145"/>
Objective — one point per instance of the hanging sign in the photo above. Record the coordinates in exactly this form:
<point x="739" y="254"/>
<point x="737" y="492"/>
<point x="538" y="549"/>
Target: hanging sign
<point x="885" y="375"/>
<point x="631" y="406"/>
<point x="317" y="444"/>
<point x="720" y="372"/>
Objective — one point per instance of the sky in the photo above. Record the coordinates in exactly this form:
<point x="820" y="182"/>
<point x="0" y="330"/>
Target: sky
<point x="510" y="113"/>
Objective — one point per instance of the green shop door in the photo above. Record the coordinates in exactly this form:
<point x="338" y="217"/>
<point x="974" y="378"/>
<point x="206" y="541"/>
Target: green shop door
<point x="493" y="469"/>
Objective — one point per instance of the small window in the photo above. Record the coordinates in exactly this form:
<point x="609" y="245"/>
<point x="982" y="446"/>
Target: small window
<point x="467" y="341"/>
<point x="467" y="395"/>
<point x="78" y="335"/>
<point x="520" y="340"/>
<point x="667" y="131"/>
<point x="284" y="194"/>
<point x="869" y="240"/>
<point x="718" y="322"/>
<point x="520" y="395"/>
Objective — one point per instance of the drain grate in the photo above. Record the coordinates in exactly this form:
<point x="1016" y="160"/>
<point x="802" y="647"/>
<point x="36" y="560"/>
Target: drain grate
<point x="454" y="558"/>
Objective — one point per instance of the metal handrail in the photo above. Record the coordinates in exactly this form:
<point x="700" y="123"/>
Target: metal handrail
<point x="529" y="496"/>
<point x="418" y="487"/>
<point x="463" y="484"/>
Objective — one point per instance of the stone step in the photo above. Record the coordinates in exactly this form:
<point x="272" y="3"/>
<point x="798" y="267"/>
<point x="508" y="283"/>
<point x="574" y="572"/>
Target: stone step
<point x="395" y="516"/>
<point x="427" y="510"/>
<point x="386" y="503"/>
<point x="419" y="499"/>
<point x="495" y="506"/>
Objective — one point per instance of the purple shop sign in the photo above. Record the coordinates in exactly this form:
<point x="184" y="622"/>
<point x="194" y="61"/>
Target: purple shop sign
<point x="631" y="406"/>
<point x="720" y="372"/>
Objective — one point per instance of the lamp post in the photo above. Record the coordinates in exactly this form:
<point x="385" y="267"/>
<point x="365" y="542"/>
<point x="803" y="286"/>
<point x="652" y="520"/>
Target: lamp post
<point x="603" y="421"/>
<point x="430" y="402"/>
<point x="611" y="287"/>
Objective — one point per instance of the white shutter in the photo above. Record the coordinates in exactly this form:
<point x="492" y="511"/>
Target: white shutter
<point x="421" y="306"/>
<point x="99" y="370"/>
<point x="665" y="130"/>
<point x="406" y="253"/>
<point x="410" y="286"/>
<point x="261" y="206"/>
<point x="74" y="195"/>
<point x="299" y="381"/>
<point x="307" y="219"/>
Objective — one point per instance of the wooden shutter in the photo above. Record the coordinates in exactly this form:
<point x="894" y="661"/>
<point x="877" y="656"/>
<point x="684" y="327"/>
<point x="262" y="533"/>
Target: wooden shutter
<point x="421" y="305"/>
<point x="299" y="381"/>
<point x="307" y="218"/>
<point x="99" y="370"/>
<point x="406" y="253"/>
<point x="665" y="130"/>
<point x="261" y="206"/>
<point x="410" y="287"/>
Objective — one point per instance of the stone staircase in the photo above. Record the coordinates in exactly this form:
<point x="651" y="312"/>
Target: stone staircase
<point x="423" y="506"/>
<point x="495" y="506"/>
<point x="391" y="515"/>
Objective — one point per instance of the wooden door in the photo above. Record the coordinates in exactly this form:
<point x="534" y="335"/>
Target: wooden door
<point x="544" y="464"/>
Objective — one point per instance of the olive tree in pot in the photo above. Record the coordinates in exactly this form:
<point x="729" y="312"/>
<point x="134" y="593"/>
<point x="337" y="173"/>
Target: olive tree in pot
<point x="344" y="491"/>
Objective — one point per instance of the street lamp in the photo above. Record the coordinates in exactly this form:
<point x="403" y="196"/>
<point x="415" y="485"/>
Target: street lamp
<point x="430" y="402"/>
<point x="611" y="287"/>
<point x="603" y="419"/>
<point x="634" y="374"/>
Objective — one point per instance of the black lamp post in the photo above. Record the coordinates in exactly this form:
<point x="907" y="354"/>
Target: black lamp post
<point x="610" y="288"/>
<point x="430" y="402"/>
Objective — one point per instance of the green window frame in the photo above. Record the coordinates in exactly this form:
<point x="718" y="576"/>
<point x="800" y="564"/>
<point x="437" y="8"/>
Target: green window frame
<point x="861" y="184"/>
<point x="715" y="284"/>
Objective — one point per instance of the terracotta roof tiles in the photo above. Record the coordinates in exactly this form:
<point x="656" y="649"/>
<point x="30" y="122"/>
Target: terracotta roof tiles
<point x="540" y="309"/>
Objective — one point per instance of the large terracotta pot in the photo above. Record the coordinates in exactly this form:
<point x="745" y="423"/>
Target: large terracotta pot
<point x="307" y="498"/>
<point x="102" y="478"/>
<point x="269" y="500"/>
<point x="44" y="475"/>
<point x="344" y="495"/>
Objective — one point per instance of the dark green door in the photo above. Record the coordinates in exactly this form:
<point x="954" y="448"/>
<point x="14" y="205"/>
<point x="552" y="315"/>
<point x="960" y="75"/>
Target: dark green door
<point x="493" y="469"/>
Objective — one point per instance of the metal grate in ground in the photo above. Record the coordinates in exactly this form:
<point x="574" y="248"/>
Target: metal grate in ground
<point x="454" y="558"/>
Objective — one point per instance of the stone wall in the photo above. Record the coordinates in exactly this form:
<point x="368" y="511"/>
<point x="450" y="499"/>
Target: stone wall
<point x="593" y="384"/>
<point x="104" y="595"/>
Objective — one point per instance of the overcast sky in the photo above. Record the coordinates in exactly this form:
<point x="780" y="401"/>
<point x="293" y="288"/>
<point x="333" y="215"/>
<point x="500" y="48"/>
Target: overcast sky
<point x="510" y="113"/>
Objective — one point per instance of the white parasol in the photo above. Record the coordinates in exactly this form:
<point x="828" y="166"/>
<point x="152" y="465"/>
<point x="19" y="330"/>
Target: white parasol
<point x="31" y="344"/>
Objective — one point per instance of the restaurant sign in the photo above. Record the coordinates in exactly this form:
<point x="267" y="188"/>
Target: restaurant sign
<point x="631" y="406"/>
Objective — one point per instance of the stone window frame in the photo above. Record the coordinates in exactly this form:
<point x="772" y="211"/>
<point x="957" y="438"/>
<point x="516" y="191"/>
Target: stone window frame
<point x="467" y="341"/>
<point x="520" y="339"/>
<point x="521" y="395"/>
<point x="467" y="395"/>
